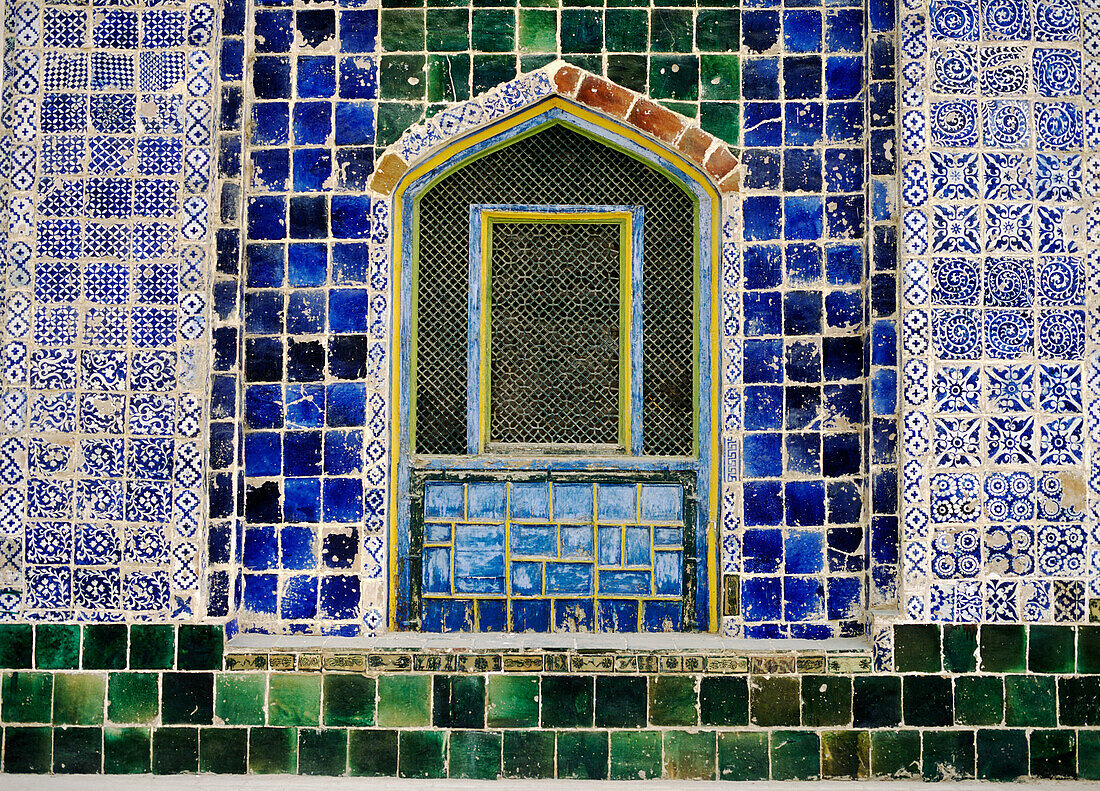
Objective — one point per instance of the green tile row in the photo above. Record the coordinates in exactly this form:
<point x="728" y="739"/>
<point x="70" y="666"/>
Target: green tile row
<point x="988" y="754"/>
<point x="996" y="648"/>
<point x="547" y="701"/>
<point x="112" y="646"/>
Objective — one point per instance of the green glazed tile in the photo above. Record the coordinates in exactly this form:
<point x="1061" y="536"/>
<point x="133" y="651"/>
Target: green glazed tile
<point x="1002" y="754"/>
<point x="394" y="118"/>
<point x="671" y="30"/>
<point x="187" y="698"/>
<point x="673" y="700"/>
<point x="720" y="77"/>
<point x="773" y="700"/>
<point x="16" y="640"/>
<point x="689" y="755"/>
<point x="592" y="63"/>
<point x="629" y="71"/>
<point x="534" y="62"/>
<point x="491" y="70"/>
<point x="322" y="751"/>
<point x="448" y="77"/>
<point x="620" y="701"/>
<point x="674" y="77"/>
<point x="1050" y="649"/>
<point x="627" y="30"/>
<point x="581" y="30"/>
<point x="876" y="701"/>
<point x="240" y="698"/>
<point x="493" y="31"/>
<point x="104" y="646"/>
<point x="1079" y="701"/>
<point x="175" y="751"/>
<point x="28" y="750"/>
<point x="152" y="646"/>
<point x="78" y="698"/>
<point x="528" y="754"/>
<point x="724" y="700"/>
<point x="979" y="700"/>
<point x="1003" y="648"/>
<point x="349" y="699"/>
<point x="717" y="30"/>
<point x="927" y="700"/>
<point x="635" y="756"/>
<point x="294" y="699"/>
<point x="742" y="756"/>
<point x="538" y="30"/>
<point x="721" y="119"/>
<point x="272" y="751"/>
<point x="686" y="109"/>
<point x="474" y="755"/>
<point x="200" y="647"/>
<point x="895" y="753"/>
<point x="826" y="700"/>
<point x="223" y="750"/>
<point x="947" y="755"/>
<point x="372" y="753"/>
<point x="127" y="751"/>
<point x="1054" y="754"/>
<point x="402" y="30"/>
<point x="567" y="701"/>
<point x="1088" y="649"/>
<point x="449" y="30"/>
<point x="1088" y="752"/>
<point x="56" y="647"/>
<point x="1029" y="701"/>
<point x="422" y="754"/>
<point x="582" y="755"/>
<point x="512" y="701"/>
<point x="26" y="697"/>
<point x="917" y="648"/>
<point x="404" y="701"/>
<point x="846" y="754"/>
<point x="458" y="701"/>
<point x="796" y="755"/>
<point x="77" y="751"/>
<point x="960" y="647"/>
<point x="402" y="77"/>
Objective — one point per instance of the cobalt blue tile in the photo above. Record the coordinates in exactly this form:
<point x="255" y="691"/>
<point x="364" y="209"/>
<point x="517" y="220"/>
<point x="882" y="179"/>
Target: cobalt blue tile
<point x="532" y="540"/>
<point x="883" y="104"/>
<point x="576" y="542"/>
<point x="883" y="58"/>
<point x="763" y="266"/>
<point x="267" y="217"/>
<point x="760" y="79"/>
<point x="883" y="295"/>
<point x="882" y="162"/>
<point x="571" y="613"/>
<point x="312" y="123"/>
<point x="447" y="615"/>
<point x="486" y="501"/>
<point x="307" y="264"/>
<point x="263" y="406"/>
<point x="343" y="499"/>
<point x="530" y="500"/>
<point x="317" y="26"/>
<point x="625" y="583"/>
<point x="340" y="550"/>
<point x="343" y="451"/>
<point x="763" y="313"/>
<point x="843" y="405"/>
<point x="763" y="455"/>
<point x="662" y="502"/>
<point x="637" y="545"/>
<point x="845" y="549"/>
<point x="270" y="124"/>
<point x="354" y="123"/>
<point x="801" y="170"/>
<point x="348" y="309"/>
<point x="232" y="59"/>
<point x="305" y="312"/>
<point x="763" y="125"/>
<point x="570" y="579"/>
<point x="358" y="79"/>
<point x="763" y="407"/>
<point x="841" y="455"/>
<point x="802" y="313"/>
<point x="302" y="499"/>
<point x="884" y="539"/>
<point x="844" y="30"/>
<point x="618" y="615"/>
<point x="316" y="76"/>
<point x="843" y="77"/>
<point x="884" y="392"/>
<point x="763" y="361"/>
<point x="265" y="265"/>
<point x="668" y="573"/>
<point x="308" y="217"/>
<point x="763" y="217"/>
<point x="358" y="30"/>
<point x="802" y="123"/>
<point x="221" y="443"/>
<point x="271" y="77"/>
<point x="844" y="215"/>
<point x="492" y="615"/>
<point x="303" y="453"/>
<point x="844" y="264"/>
<point x="299" y="599"/>
<point x="802" y="362"/>
<point x="803" y="552"/>
<point x="260" y="593"/>
<point x="263" y="312"/>
<point x="843" y="358"/>
<point x="273" y="31"/>
<point x="843" y="169"/>
<point x="804" y="598"/>
<point x="845" y="503"/>
<point x="844" y="123"/>
<point x="297" y="548"/>
<point x="351" y="216"/>
<point x="763" y="551"/>
<point x="262" y="456"/>
<point x="761" y="598"/>
<point x="339" y="596"/>
<point x="305" y="360"/>
<point x="661" y="616"/>
<point x="843" y="597"/>
<point x="611" y="546"/>
<point x="347" y="356"/>
<point x="763" y="503"/>
<point x="350" y="263"/>
<point x="531" y="615"/>
<point x="616" y="502"/>
<point x="884" y="440"/>
<point x="261" y="548"/>
<point x="526" y="578"/>
<point x="803" y="264"/>
<point x="805" y="503"/>
<point x="802" y="77"/>
<point x="572" y="502"/>
<point x="444" y="500"/>
<point x="437" y="570"/>
<point x="354" y="166"/>
<point x="802" y="31"/>
<point x="760" y="30"/>
<point x="761" y="167"/>
<point x="305" y="406"/>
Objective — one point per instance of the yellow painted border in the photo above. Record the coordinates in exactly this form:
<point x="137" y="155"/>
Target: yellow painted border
<point x="689" y="168"/>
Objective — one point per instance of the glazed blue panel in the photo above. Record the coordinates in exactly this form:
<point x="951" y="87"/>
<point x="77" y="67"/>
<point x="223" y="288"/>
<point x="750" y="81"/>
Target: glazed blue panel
<point x="662" y="502"/>
<point x="486" y="500"/>
<point x="526" y="579"/>
<point x="575" y="579"/>
<point x="530" y="501"/>
<point x="573" y="502"/>
<point x="576" y="541"/>
<point x="616" y="502"/>
<point x="443" y="501"/>
<point x="668" y="573"/>
<point x="437" y="533"/>
<point x="437" y="570"/>
<point x="637" y="546"/>
<point x="668" y="536"/>
<point x="611" y="547"/>
<point x="534" y="540"/>
<point x="630" y="583"/>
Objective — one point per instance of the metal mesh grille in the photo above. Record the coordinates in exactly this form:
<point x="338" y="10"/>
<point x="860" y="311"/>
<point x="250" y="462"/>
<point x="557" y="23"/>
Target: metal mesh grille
<point x="555" y="166"/>
<point x="554" y="330"/>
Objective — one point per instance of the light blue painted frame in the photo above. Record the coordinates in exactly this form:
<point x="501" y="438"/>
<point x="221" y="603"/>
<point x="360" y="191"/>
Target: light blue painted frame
<point x="473" y="328"/>
<point x="707" y="225"/>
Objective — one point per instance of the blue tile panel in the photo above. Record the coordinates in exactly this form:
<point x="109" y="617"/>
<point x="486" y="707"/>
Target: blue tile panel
<point x="1001" y="377"/>
<point x="538" y="556"/>
<point x="107" y="162"/>
<point x="805" y="454"/>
